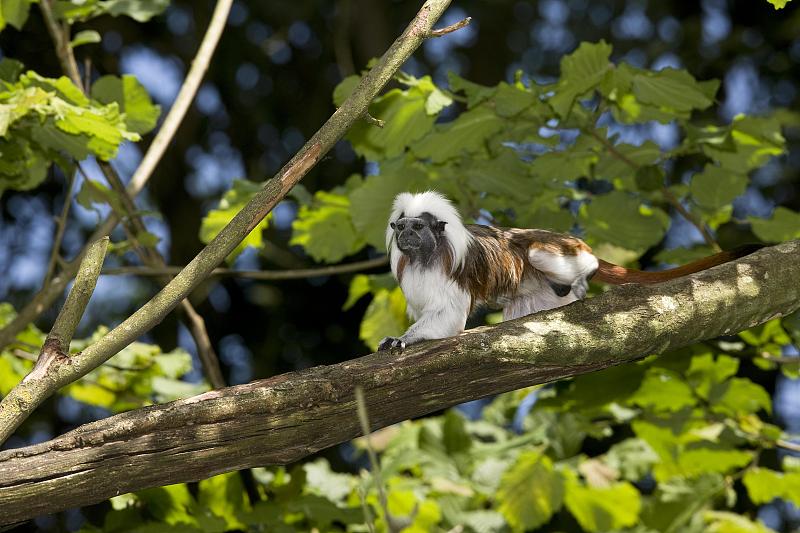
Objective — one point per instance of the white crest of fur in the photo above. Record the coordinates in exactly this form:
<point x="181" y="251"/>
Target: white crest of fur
<point x="413" y="205"/>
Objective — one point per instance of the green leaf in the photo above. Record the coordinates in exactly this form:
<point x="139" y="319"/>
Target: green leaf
<point x="385" y="317"/>
<point x="14" y="12"/>
<point x="742" y="396"/>
<point x="139" y="10"/>
<point x="581" y="72"/>
<point x="371" y="203"/>
<point x="602" y="508"/>
<point x="698" y="461"/>
<point x="231" y="203"/>
<point x="530" y="492"/>
<point x="171" y="504"/>
<point x="566" y="165"/>
<point x="673" y="90"/>
<point x="632" y="458"/>
<point x="405" y="120"/>
<point x="755" y="141"/>
<point x="141" y="115"/>
<point x="455" y="436"/>
<point x="779" y="4"/>
<point x="675" y="502"/>
<point x="505" y="175"/>
<point x="325" y="231"/>
<point x="663" y="390"/>
<point x="511" y="100"/>
<point x="726" y="522"/>
<point x="85" y="37"/>
<point x="224" y="497"/>
<point x="474" y="92"/>
<point x="621" y="167"/>
<point x="783" y="225"/>
<point x="716" y="187"/>
<point x="764" y="485"/>
<point x="93" y="192"/>
<point x="10" y="69"/>
<point x="620" y="219"/>
<point x="468" y="134"/>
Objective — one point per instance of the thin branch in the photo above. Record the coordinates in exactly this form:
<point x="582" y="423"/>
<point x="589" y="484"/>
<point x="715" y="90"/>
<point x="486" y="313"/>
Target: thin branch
<point x="266" y="275"/>
<point x="288" y="417"/>
<point x="374" y="121"/>
<point x="16" y="405"/>
<point x="61" y="225"/>
<point x="60" y="35"/>
<point x="50" y="293"/>
<point x="67" y="320"/>
<point x="275" y="189"/>
<point x="788" y="445"/>
<point x="186" y="95"/>
<point x="668" y="196"/>
<point x="451" y="28"/>
<point x="375" y="464"/>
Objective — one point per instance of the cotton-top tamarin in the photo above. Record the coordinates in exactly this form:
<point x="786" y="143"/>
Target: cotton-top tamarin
<point x="445" y="268"/>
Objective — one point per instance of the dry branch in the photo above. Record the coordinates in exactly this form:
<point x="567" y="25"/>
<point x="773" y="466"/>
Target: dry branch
<point x="288" y="417"/>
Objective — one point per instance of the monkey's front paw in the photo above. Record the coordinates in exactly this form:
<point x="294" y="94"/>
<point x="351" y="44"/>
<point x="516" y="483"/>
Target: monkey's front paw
<point x="391" y="342"/>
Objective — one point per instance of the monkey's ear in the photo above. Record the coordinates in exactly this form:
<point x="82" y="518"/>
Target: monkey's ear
<point x="440" y="224"/>
<point x="391" y="225"/>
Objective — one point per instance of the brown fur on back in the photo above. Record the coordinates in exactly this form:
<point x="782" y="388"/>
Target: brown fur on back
<point x="497" y="261"/>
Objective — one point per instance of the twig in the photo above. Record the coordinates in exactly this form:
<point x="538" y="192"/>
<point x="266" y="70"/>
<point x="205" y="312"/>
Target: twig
<point x="163" y="138"/>
<point x="50" y="293"/>
<point x="60" y="35"/>
<point x="268" y="275"/>
<point x="274" y="190"/>
<point x="668" y="196"/>
<point x="451" y="28"/>
<point x="16" y="406"/>
<point x="374" y="121"/>
<point x="788" y="445"/>
<point x="377" y="478"/>
<point x="61" y="224"/>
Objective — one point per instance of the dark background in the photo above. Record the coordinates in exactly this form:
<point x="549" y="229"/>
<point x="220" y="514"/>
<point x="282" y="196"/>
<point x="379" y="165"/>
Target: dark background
<point x="269" y="88"/>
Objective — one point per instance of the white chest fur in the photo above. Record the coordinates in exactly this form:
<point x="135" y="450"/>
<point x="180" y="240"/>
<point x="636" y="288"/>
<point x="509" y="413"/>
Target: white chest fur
<point x="429" y="290"/>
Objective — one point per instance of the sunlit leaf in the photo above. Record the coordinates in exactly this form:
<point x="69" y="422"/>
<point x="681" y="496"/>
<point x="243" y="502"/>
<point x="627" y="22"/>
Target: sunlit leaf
<point x="530" y="492"/>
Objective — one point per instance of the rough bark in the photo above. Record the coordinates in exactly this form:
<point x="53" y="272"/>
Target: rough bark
<point x="288" y="417"/>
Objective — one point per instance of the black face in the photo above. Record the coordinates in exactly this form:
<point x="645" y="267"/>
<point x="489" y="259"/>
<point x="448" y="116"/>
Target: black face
<point x="418" y="237"/>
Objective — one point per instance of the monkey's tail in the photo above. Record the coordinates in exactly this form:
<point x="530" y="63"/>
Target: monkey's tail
<point x="617" y="275"/>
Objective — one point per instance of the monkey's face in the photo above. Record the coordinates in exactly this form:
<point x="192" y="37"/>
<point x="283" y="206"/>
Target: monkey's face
<point x="418" y="237"/>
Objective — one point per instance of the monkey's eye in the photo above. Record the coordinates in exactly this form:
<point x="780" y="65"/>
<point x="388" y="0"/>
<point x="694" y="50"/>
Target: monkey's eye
<point x="400" y="226"/>
<point x="417" y="226"/>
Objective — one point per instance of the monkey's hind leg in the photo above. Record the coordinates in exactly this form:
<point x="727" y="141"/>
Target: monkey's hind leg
<point x="566" y="273"/>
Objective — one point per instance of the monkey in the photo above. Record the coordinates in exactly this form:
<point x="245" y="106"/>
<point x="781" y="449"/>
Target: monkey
<point x="446" y="268"/>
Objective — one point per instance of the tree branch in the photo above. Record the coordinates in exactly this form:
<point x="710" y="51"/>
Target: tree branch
<point x="16" y="406"/>
<point x="451" y="28"/>
<point x="50" y="293"/>
<point x="288" y="417"/>
<point x="61" y="225"/>
<point x="270" y="275"/>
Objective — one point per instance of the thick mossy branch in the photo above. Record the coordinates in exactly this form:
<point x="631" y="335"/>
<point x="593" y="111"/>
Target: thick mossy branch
<point x="288" y="417"/>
